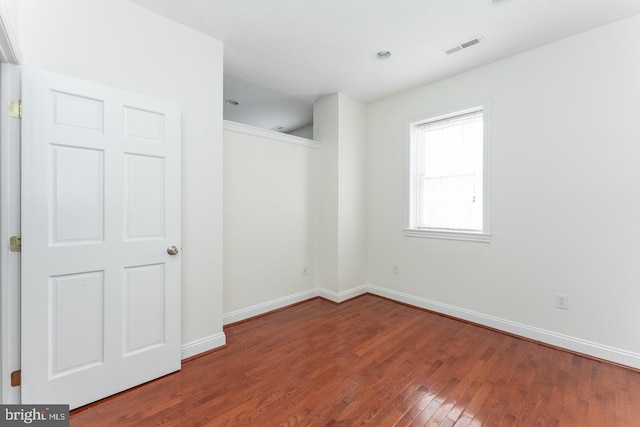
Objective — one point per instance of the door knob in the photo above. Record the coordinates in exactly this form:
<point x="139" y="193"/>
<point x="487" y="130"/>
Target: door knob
<point x="172" y="250"/>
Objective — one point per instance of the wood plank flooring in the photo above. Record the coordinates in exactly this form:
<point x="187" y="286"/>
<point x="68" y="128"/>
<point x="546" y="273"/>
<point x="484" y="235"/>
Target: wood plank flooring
<point x="373" y="361"/>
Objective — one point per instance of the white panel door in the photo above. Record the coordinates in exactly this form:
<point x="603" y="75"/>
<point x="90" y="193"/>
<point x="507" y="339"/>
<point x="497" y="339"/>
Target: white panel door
<point x="100" y="208"/>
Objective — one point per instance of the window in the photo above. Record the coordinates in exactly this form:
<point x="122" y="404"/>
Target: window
<point x="448" y="191"/>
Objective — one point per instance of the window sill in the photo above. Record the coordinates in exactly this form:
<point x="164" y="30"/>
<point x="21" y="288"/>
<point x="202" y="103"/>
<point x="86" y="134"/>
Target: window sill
<point x="448" y="235"/>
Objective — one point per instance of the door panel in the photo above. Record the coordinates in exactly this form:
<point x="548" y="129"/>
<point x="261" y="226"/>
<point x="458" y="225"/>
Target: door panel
<point x="76" y="316"/>
<point x="144" y="287"/>
<point x="101" y="204"/>
<point x="145" y="188"/>
<point x="77" y="176"/>
<point x="144" y="124"/>
<point x="76" y="111"/>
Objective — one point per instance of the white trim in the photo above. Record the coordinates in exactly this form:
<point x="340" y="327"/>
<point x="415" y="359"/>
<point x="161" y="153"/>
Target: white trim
<point x="266" y="307"/>
<point x="270" y="134"/>
<point x="411" y="164"/>
<point x="10" y="89"/>
<point x="579" y="345"/>
<point x="589" y="348"/>
<point x="448" y="235"/>
<point x="9" y="50"/>
<point x="339" y="297"/>
<point x="258" y="309"/>
<point x="204" y="344"/>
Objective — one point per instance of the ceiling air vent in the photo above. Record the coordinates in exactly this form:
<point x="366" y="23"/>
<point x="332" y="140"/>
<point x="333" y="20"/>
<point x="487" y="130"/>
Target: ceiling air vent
<point x="464" y="45"/>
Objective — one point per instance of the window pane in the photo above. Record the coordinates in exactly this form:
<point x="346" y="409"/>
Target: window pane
<point x="451" y="173"/>
<point x="452" y="202"/>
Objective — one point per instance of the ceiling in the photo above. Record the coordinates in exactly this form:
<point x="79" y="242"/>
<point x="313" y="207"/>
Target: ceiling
<point x="263" y="107"/>
<point x="297" y="51"/>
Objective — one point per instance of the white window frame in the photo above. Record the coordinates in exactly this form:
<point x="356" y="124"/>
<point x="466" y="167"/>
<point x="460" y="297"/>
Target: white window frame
<point x="412" y="196"/>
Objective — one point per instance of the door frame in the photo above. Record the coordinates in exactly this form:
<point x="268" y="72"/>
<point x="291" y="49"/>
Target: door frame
<point x="10" y="89"/>
<point x="9" y="49"/>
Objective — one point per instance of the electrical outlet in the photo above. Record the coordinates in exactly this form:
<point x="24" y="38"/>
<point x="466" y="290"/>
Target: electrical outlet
<point x="394" y="269"/>
<point x="304" y="271"/>
<point x="562" y="301"/>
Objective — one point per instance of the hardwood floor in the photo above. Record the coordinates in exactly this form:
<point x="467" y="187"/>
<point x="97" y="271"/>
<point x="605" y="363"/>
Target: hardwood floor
<point x="371" y="360"/>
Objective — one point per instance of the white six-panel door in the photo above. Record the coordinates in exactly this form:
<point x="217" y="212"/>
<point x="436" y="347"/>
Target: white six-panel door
<point x="100" y="207"/>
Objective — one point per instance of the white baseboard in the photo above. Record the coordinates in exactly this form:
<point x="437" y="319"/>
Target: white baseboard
<point x="342" y="296"/>
<point x="578" y="345"/>
<point x="590" y="348"/>
<point x="257" y="310"/>
<point x="204" y="344"/>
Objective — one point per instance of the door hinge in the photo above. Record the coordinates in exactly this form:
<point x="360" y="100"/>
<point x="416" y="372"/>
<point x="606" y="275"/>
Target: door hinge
<point x="16" y="378"/>
<point x="15" y="109"/>
<point x="15" y="244"/>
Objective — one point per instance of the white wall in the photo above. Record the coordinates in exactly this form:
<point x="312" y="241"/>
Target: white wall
<point x="290" y="203"/>
<point x="305" y="132"/>
<point x="120" y="44"/>
<point x="566" y="167"/>
<point x="12" y="7"/>
<point x="352" y="194"/>
<point x="326" y="130"/>
<point x="339" y="125"/>
<point x="270" y="219"/>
